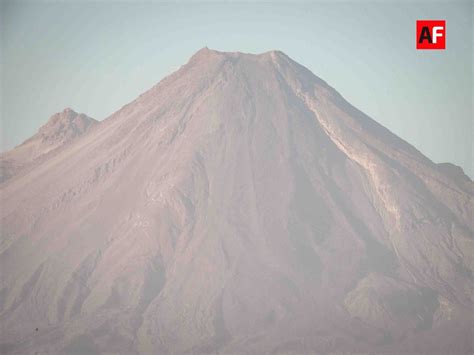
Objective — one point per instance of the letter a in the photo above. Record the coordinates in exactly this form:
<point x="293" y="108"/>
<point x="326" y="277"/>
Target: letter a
<point x="425" y="34"/>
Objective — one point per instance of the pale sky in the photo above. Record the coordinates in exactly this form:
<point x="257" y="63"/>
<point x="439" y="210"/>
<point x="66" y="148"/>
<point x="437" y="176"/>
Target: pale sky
<point x="95" y="57"/>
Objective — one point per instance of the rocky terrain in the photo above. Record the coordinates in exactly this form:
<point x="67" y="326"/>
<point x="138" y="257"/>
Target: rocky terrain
<point x="61" y="129"/>
<point x="240" y="206"/>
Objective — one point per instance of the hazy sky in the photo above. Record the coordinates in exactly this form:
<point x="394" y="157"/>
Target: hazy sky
<point x="96" y="57"/>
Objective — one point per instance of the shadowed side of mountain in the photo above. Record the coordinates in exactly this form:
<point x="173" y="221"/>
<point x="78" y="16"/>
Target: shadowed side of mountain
<point x="455" y="172"/>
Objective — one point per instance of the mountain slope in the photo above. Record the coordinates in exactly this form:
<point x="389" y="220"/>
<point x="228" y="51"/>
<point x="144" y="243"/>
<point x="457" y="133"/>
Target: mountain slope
<point x="241" y="205"/>
<point x="62" y="128"/>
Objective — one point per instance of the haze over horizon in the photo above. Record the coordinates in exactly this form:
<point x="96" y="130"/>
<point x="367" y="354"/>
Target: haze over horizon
<point x="97" y="57"/>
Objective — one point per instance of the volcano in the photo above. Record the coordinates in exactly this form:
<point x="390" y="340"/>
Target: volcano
<point x="240" y="206"/>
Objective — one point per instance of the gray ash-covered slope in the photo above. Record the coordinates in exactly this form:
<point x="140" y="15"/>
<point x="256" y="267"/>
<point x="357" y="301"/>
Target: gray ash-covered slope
<point x="240" y="206"/>
<point x="61" y="129"/>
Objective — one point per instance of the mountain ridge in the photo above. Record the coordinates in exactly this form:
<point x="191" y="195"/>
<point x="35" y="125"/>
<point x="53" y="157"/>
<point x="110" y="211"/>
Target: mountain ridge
<point x="61" y="129"/>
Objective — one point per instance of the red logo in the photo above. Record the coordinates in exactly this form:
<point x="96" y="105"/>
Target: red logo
<point x="430" y="34"/>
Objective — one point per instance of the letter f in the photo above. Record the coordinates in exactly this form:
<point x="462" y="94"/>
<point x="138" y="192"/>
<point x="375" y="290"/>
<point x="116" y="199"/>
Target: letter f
<point x="437" y="32"/>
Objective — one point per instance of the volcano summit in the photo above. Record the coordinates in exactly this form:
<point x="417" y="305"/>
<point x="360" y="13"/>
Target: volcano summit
<point x="239" y="206"/>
